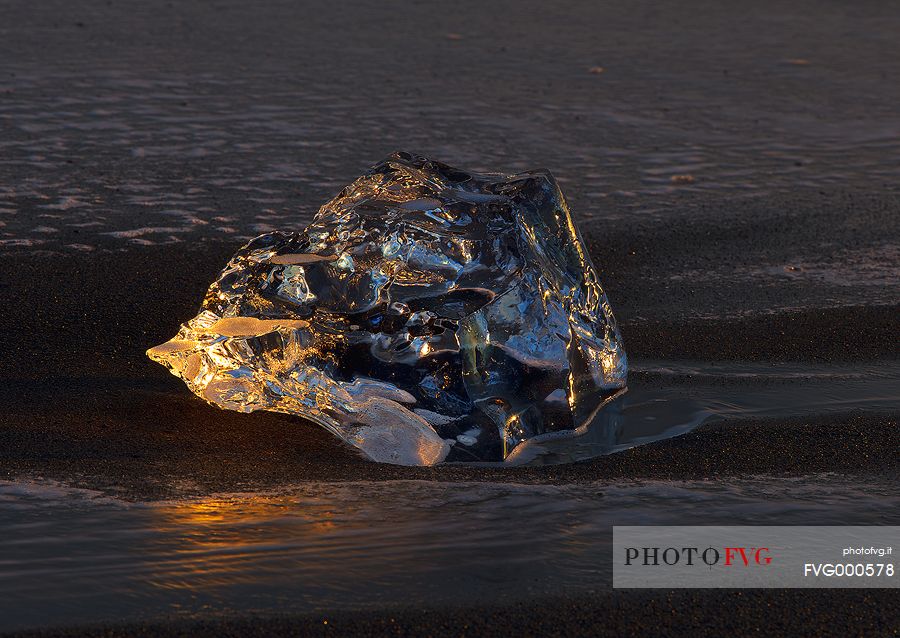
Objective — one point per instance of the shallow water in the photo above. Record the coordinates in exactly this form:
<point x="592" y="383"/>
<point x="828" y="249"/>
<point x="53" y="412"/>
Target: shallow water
<point x="177" y="157"/>
<point x="76" y="556"/>
<point x="666" y="399"/>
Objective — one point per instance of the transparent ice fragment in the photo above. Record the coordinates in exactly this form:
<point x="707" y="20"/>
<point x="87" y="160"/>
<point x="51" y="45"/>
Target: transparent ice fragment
<point x="426" y="315"/>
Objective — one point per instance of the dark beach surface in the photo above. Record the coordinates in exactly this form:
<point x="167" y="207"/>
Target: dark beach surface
<point x="734" y="171"/>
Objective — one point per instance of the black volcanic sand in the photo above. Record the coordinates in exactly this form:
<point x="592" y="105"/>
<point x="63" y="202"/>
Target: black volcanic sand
<point x="791" y="613"/>
<point x="733" y="169"/>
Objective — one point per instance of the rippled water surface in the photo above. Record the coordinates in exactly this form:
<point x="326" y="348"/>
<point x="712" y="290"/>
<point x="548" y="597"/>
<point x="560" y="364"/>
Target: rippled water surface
<point x="77" y="556"/>
<point x="116" y="159"/>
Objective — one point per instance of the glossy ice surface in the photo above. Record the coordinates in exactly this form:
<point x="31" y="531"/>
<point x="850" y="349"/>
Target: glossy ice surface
<point x="426" y="315"/>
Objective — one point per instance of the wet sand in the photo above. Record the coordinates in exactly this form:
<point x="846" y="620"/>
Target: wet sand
<point x="624" y="613"/>
<point x="733" y="170"/>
